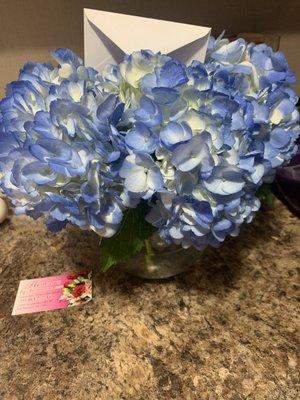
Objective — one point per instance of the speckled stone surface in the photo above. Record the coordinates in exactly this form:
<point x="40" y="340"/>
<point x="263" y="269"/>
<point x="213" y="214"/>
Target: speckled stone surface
<point x="227" y="329"/>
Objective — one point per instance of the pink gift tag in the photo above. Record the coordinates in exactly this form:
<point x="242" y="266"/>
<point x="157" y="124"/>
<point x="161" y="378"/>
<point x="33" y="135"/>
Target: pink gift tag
<point x="53" y="292"/>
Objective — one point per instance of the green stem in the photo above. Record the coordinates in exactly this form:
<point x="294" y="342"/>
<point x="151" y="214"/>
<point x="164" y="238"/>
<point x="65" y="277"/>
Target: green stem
<point x="149" y="253"/>
<point x="149" y="248"/>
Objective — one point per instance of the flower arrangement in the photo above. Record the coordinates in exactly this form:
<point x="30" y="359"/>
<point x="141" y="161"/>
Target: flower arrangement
<point x="148" y="145"/>
<point x="78" y="289"/>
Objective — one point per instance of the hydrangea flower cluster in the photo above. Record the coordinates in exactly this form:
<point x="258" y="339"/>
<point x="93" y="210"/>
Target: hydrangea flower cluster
<point x="195" y="142"/>
<point x="202" y="138"/>
<point x="56" y="153"/>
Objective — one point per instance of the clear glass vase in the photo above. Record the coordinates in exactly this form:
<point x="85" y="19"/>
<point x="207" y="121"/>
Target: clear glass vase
<point x="159" y="261"/>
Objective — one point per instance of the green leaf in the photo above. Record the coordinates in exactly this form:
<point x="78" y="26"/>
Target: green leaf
<point x="265" y="194"/>
<point x="130" y="238"/>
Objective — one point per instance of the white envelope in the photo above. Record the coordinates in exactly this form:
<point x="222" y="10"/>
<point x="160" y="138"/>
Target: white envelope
<point x="109" y="36"/>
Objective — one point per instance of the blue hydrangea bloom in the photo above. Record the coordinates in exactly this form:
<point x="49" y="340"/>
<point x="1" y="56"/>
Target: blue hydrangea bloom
<point x="57" y="157"/>
<point x="272" y="65"/>
<point x="213" y="132"/>
<point x="142" y="176"/>
<point x="195" y="141"/>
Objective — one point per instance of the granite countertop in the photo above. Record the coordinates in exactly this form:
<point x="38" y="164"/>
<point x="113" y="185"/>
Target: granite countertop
<point x="227" y="329"/>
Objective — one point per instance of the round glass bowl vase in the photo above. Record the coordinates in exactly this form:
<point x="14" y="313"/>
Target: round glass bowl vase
<point x="160" y="261"/>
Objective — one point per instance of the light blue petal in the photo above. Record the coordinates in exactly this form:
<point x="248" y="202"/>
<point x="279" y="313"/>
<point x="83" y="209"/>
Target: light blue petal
<point x="67" y="56"/>
<point x="172" y="74"/>
<point x="141" y="139"/>
<point x="149" y="112"/>
<point x="175" y="133"/>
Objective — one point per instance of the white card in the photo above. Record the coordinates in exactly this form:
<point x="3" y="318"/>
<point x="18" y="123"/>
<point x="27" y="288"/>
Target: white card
<point x="109" y="36"/>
